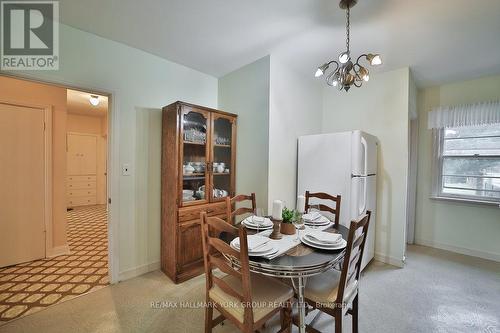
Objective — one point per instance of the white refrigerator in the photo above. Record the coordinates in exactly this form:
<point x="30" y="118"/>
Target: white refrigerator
<point x="342" y="163"/>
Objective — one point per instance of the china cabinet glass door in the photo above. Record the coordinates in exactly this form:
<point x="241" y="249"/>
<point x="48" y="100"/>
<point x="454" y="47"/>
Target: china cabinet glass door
<point x="194" y="152"/>
<point x="222" y="157"/>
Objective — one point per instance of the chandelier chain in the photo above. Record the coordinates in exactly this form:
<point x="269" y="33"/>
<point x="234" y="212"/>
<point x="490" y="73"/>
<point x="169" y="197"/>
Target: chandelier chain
<point x="347" y="28"/>
<point x="347" y="72"/>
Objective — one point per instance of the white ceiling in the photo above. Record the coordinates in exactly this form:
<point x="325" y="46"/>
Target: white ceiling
<point x="77" y="102"/>
<point x="441" y="40"/>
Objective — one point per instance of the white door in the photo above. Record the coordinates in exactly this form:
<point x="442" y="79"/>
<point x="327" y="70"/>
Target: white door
<point x="82" y="154"/>
<point x="22" y="184"/>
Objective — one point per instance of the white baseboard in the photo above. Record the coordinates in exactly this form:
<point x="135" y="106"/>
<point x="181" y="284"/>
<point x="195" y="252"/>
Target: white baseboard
<point x="458" y="249"/>
<point x="398" y="262"/>
<point x="139" y="270"/>
<point x="58" y="251"/>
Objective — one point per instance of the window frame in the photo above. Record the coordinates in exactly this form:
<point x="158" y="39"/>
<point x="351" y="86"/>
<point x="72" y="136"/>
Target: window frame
<point x="438" y="176"/>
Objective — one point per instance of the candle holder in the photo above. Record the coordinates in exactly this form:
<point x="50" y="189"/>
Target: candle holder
<point x="276" y="229"/>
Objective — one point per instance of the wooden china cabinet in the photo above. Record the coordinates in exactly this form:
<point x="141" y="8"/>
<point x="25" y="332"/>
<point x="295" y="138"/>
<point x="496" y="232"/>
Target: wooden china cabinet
<point x="198" y="172"/>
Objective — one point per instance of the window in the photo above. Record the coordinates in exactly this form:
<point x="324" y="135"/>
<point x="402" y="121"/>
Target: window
<point x="468" y="165"/>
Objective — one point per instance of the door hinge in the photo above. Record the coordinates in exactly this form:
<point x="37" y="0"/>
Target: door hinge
<point x="109" y="201"/>
<point x="44" y="127"/>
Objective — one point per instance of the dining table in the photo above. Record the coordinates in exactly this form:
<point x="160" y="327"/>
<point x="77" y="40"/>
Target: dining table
<point x="298" y="263"/>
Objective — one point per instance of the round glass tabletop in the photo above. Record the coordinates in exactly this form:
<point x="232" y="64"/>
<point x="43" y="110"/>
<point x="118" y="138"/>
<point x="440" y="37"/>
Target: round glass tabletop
<point x="301" y="260"/>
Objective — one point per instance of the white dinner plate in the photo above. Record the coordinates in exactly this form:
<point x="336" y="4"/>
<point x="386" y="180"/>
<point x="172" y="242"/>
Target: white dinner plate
<point x="320" y="221"/>
<point x="263" y="250"/>
<point x="249" y="220"/>
<point x="254" y="227"/>
<point x="317" y="224"/>
<point x="251" y="239"/>
<point x="318" y="242"/>
<point x="341" y="245"/>
<point x="262" y="254"/>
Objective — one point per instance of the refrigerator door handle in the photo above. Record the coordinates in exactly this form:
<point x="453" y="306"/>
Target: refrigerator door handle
<point x="365" y="153"/>
<point x="362" y="208"/>
<point x="360" y="176"/>
<point x="365" y="197"/>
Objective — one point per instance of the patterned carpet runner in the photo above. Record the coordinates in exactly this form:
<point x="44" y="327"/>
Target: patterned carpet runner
<point x="32" y="286"/>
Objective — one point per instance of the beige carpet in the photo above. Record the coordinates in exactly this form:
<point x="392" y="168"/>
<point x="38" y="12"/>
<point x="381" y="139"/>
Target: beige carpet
<point x="32" y="286"/>
<point x="437" y="291"/>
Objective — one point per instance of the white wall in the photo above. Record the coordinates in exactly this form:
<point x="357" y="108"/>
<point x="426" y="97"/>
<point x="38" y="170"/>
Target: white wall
<point x="137" y="80"/>
<point x="464" y="228"/>
<point x="380" y="108"/>
<point x="295" y="109"/>
<point x="245" y="92"/>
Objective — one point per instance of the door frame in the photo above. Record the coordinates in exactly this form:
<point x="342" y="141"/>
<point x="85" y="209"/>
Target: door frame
<point x="113" y="165"/>
<point x="47" y="172"/>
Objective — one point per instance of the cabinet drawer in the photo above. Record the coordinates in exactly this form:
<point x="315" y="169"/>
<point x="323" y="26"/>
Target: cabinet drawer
<point x="81" y="178"/>
<point x="81" y="201"/>
<point x="193" y="213"/>
<point x="81" y="192"/>
<point x="81" y="185"/>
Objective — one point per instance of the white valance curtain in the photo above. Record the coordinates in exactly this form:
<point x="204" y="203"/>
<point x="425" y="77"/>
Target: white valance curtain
<point x="484" y="113"/>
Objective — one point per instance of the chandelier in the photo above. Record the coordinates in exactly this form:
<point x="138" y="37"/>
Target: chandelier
<point x="347" y="73"/>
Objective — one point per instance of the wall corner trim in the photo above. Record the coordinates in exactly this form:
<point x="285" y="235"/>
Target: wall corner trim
<point x="458" y="249"/>
<point x="58" y="251"/>
<point x="397" y="262"/>
<point x="139" y="270"/>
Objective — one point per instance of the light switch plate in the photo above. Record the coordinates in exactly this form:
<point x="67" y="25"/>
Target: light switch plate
<point x="126" y="169"/>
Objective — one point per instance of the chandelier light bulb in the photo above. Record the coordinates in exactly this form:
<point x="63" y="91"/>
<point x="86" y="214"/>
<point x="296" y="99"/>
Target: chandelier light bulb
<point x="364" y="74"/>
<point x="344" y="57"/>
<point x="349" y="79"/>
<point x="374" y="59"/>
<point x="322" y="69"/>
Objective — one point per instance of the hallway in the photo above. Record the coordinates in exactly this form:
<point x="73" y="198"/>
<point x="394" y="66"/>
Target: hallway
<point x="32" y="286"/>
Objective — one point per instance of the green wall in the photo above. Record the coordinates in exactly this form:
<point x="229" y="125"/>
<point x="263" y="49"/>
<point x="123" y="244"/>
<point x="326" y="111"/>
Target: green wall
<point x="245" y="92"/>
<point x="466" y="228"/>
<point x="380" y="108"/>
<point x="139" y="82"/>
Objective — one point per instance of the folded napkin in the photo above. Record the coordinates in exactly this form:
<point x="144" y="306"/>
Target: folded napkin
<point x="253" y="241"/>
<point x="311" y="216"/>
<point x="324" y="237"/>
<point x="257" y="221"/>
<point x="281" y="245"/>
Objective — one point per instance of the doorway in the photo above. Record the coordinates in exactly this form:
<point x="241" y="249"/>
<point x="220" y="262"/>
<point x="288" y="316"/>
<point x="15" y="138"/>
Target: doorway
<point x="25" y="176"/>
<point x="54" y="203"/>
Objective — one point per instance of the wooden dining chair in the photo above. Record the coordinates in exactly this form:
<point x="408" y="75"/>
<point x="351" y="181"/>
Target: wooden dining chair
<point x="322" y="207"/>
<point x="235" y="294"/>
<point x="232" y="211"/>
<point x="332" y="292"/>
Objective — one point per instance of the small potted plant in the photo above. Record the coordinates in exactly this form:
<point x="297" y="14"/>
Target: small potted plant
<point x="288" y="216"/>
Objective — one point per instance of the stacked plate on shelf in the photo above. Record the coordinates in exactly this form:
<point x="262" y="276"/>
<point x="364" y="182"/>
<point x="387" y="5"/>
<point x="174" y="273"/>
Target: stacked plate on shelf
<point x="323" y="240"/>
<point x="187" y="195"/>
<point x="315" y="219"/>
<point x="257" y="246"/>
<point x="257" y="223"/>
